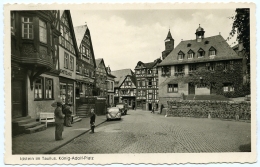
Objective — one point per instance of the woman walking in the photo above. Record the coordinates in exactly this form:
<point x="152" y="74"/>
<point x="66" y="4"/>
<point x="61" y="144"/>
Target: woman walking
<point x="92" y="120"/>
<point x="59" y="120"/>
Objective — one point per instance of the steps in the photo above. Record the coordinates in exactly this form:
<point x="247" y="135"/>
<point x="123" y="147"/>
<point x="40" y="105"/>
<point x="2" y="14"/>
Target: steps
<point x="76" y="119"/>
<point x="26" y="125"/>
<point x="82" y="111"/>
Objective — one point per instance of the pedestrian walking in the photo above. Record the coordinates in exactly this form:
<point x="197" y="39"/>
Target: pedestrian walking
<point x="152" y="109"/>
<point x="92" y="120"/>
<point x="59" y="120"/>
<point x="67" y="112"/>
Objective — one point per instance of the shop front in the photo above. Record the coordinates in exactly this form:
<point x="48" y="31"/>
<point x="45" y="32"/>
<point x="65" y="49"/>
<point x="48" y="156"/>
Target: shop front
<point x="67" y="91"/>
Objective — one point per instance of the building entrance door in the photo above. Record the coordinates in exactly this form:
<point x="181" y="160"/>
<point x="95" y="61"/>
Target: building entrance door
<point x="18" y="99"/>
<point x="191" y="89"/>
<point x="150" y="106"/>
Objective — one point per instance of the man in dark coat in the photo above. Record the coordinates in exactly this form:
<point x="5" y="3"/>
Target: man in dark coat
<point x="59" y="120"/>
<point x="67" y="113"/>
<point x="92" y="120"/>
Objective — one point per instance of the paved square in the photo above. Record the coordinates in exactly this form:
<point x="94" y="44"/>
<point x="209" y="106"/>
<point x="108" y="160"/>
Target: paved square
<point x="144" y="132"/>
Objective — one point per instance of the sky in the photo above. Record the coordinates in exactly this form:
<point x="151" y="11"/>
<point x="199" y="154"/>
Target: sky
<point x="124" y="37"/>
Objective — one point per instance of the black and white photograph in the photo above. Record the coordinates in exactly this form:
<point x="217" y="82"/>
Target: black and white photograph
<point x="83" y="83"/>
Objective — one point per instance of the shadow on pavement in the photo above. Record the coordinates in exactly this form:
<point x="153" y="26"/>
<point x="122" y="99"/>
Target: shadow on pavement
<point x="245" y="148"/>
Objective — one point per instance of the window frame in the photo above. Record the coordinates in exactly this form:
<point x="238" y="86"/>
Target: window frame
<point x="45" y="86"/>
<point x="43" y="31"/>
<point x="28" y="24"/>
<point x="66" y="60"/>
<point x="42" y="90"/>
<point x="71" y="63"/>
<point x="172" y="88"/>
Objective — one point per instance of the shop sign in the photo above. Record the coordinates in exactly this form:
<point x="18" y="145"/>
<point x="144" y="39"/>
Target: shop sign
<point x="66" y="72"/>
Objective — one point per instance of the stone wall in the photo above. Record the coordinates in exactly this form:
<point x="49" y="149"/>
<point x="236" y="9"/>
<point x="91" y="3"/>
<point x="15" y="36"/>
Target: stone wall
<point x="210" y="109"/>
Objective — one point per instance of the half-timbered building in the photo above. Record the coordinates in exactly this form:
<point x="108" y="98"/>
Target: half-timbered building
<point x="101" y="78"/>
<point x="34" y="64"/>
<point x="125" y="87"/>
<point x="147" y="85"/>
<point x="85" y="63"/>
<point x="68" y="53"/>
<point x="110" y="87"/>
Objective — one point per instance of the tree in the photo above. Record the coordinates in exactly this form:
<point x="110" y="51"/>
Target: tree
<point x="241" y="27"/>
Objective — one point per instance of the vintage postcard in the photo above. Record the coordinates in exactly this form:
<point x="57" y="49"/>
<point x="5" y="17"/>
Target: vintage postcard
<point x="130" y="83"/>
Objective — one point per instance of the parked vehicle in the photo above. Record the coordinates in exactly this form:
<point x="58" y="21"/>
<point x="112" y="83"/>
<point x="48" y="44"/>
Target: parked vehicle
<point x="113" y="113"/>
<point x="123" y="108"/>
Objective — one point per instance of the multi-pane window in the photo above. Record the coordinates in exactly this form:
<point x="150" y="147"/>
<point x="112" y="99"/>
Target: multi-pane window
<point x="66" y="60"/>
<point x="192" y="67"/>
<point x="12" y="23"/>
<point x="179" y="69"/>
<point x="190" y="54"/>
<point x="48" y="88"/>
<point x="166" y="70"/>
<point x="66" y="38"/>
<point x="180" y="56"/>
<point x="150" y="96"/>
<point x="172" y="88"/>
<point x="38" y="86"/>
<point x="228" y="87"/>
<point x="212" y="51"/>
<point x="27" y="27"/>
<point x="43" y="31"/>
<point x="71" y="63"/>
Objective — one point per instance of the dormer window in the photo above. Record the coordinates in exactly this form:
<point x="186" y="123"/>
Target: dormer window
<point x="190" y="54"/>
<point x="180" y="55"/>
<point x="212" y="51"/>
<point x="201" y="53"/>
<point x="188" y="45"/>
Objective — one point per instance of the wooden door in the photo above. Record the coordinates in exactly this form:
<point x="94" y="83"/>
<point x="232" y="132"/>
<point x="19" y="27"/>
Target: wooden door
<point x="191" y="89"/>
<point x="18" y="99"/>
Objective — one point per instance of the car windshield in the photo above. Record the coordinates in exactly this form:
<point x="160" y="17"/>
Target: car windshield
<point x="113" y="109"/>
<point x="120" y="106"/>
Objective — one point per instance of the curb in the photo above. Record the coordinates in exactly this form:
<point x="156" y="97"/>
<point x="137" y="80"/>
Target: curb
<point x="58" y="147"/>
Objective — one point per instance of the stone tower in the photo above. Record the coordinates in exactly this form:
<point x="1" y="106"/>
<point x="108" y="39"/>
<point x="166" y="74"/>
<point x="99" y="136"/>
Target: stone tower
<point x="169" y="45"/>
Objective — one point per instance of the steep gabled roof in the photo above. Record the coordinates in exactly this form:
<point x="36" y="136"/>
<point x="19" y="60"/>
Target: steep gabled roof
<point x="99" y="61"/>
<point x="150" y="64"/>
<point x="223" y="51"/>
<point x="80" y="32"/>
<point x="121" y="75"/>
<point x="67" y="12"/>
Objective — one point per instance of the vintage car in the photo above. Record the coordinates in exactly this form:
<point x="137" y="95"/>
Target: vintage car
<point x="113" y="113"/>
<point x="122" y="107"/>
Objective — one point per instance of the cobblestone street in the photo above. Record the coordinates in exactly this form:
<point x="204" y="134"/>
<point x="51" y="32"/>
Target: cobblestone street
<point x="144" y="132"/>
